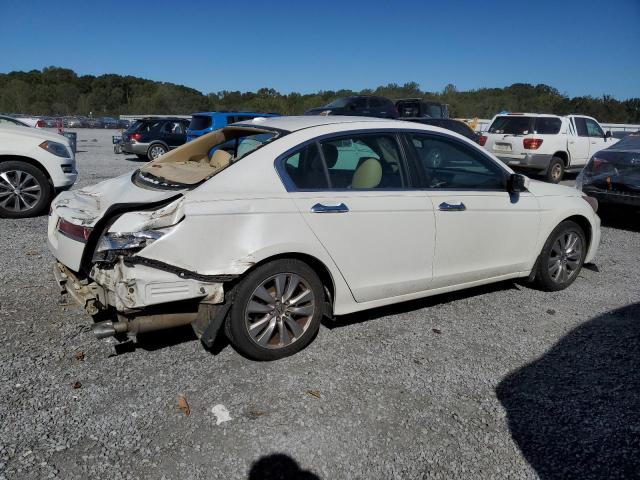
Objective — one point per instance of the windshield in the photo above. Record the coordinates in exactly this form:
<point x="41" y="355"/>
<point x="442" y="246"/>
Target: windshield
<point x="339" y="103"/>
<point x="201" y="159"/>
<point x="511" y="125"/>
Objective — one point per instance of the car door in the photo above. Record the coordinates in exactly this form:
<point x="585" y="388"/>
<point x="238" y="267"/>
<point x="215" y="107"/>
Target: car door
<point x="597" y="140"/>
<point x="578" y="141"/>
<point x="355" y="193"/>
<point x="483" y="231"/>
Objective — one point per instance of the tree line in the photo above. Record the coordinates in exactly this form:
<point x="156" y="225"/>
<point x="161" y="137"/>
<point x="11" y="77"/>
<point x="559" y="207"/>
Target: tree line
<point x="60" y="91"/>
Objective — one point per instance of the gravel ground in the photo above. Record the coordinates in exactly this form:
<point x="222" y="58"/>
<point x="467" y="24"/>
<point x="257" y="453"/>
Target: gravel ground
<point x="495" y="382"/>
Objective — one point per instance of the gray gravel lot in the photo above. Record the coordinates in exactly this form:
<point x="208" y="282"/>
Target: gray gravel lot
<point x="496" y="382"/>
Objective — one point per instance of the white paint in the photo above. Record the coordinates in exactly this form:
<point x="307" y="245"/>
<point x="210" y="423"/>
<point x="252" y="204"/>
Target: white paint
<point x="221" y="413"/>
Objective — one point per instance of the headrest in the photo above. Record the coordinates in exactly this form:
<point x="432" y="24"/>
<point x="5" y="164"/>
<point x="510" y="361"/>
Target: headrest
<point x="220" y="159"/>
<point x="368" y="174"/>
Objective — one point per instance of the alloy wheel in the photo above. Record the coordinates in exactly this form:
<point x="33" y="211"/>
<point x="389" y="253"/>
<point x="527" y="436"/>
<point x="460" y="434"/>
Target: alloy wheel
<point x="279" y="311"/>
<point x="156" y="151"/>
<point x="565" y="257"/>
<point x="556" y="172"/>
<point x="19" y="191"/>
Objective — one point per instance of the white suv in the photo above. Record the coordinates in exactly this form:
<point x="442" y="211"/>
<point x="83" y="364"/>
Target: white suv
<point x="34" y="165"/>
<point x="547" y="144"/>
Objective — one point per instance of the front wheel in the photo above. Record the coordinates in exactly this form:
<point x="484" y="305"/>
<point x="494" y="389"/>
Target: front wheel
<point x="276" y="311"/>
<point x="24" y="190"/>
<point x="562" y="257"/>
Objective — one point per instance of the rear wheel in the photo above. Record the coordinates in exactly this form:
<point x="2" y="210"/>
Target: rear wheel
<point x="155" y="151"/>
<point x="25" y="191"/>
<point x="555" y="171"/>
<point x="562" y="257"/>
<point x="276" y="311"/>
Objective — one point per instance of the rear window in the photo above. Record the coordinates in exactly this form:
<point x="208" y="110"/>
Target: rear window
<point x="547" y="125"/>
<point x="145" y="126"/>
<point x="511" y="125"/>
<point x="200" y="122"/>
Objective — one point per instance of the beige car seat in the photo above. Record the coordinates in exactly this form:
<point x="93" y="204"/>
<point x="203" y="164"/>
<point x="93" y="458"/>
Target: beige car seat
<point x="368" y="174"/>
<point x="220" y="159"/>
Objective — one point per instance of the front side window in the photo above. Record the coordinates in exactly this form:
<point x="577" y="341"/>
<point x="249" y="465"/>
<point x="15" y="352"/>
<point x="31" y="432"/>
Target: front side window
<point x="449" y="164"/>
<point x="593" y="128"/>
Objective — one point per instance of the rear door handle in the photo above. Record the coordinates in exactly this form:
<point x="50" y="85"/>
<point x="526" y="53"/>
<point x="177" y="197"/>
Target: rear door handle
<point x="320" y="208"/>
<point x="452" y="207"/>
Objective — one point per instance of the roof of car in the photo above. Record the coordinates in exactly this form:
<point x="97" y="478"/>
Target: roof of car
<point x="293" y="123"/>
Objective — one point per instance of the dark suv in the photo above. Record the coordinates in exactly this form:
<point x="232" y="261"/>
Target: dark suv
<point x="363" y="105"/>
<point x="149" y="138"/>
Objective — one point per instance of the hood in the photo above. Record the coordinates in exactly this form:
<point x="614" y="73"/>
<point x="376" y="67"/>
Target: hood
<point x="37" y="134"/>
<point x="544" y="189"/>
<point x="88" y="205"/>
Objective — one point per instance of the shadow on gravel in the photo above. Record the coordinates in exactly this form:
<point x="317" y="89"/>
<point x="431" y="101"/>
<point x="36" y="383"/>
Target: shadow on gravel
<point x="136" y="160"/>
<point x="412" y="305"/>
<point x="279" y="467"/>
<point x="160" y="339"/>
<point x="575" y="412"/>
<point x="620" y="217"/>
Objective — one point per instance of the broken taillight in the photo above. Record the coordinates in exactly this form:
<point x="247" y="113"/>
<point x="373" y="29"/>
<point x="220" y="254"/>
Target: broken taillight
<point x="79" y="233"/>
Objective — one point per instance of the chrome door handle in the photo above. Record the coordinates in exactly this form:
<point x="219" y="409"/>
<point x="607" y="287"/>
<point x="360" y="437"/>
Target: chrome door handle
<point x="320" y="208"/>
<point x="452" y="207"/>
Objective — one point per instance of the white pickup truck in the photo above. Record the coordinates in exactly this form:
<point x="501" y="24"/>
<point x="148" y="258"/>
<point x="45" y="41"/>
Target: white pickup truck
<point x="546" y="144"/>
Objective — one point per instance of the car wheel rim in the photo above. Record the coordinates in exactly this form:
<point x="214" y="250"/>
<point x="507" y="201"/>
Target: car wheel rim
<point x="156" y="152"/>
<point x="565" y="257"/>
<point x="19" y="191"/>
<point x="280" y="311"/>
<point x="556" y="171"/>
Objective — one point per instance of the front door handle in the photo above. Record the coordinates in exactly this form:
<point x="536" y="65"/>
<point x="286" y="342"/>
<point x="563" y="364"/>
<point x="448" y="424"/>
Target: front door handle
<point x="320" y="208"/>
<point x="452" y="207"/>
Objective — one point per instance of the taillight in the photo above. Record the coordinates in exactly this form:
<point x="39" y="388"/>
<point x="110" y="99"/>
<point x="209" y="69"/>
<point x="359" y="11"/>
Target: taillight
<point x="136" y="136"/>
<point x="531" y="143"/>
<point x="40" y="124"/>
<point x="482" y="140"/>
<point x="596" y="163"/>
<point x="75" y="232"/>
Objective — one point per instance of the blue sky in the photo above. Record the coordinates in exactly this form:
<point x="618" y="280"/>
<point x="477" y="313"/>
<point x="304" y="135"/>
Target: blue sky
<point x="580" y="47"/>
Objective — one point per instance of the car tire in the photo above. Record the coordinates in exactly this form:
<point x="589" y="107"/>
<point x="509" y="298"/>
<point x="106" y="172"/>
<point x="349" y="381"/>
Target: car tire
<point x="276" y="310"/>
<point x="33" y="189"/>
<point x="555" y="172"/>
<point x="155" y="150"/>
<point x="562" y="257"/>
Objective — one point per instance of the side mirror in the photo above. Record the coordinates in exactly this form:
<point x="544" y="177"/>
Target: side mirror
<point x="607" y="134"/>
<point x="517" y="183"/>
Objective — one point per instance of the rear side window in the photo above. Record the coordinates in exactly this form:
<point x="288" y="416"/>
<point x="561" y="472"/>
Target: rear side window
<point x="200" y="122"/>
<point x="364" y="162"/>
<point x="511" y="125"/>
<point x="306" y="170"/>
<point x="547" y="125"/>
<point x="581" y="126"/>
<point x="449" y="164"/>
<point x="146" y="127"/>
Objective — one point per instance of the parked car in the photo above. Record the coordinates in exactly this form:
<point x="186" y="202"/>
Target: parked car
<point x="34" y="166"/>
<point x="149" y="138"/>
<point x="612" y="175"/>
<point x="362" y="105"/>
<point x="124" y="124"/>
<point x="545" y="144"/>
<point x="94" y="123"/>
<point x="7" y="120"/>
<point x="448" y="123"/>
<point x="51" y="122"/>
<point x="417" y="107"/>
<point x="205" y="122"/>
<point x="294" y="218"/>
<point x="109" y="122"/>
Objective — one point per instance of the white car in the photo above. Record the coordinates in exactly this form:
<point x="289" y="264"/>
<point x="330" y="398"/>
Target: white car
<point x="34" y="166"/>
<point x="546" y="144"/>
<point x="265" y="226"/>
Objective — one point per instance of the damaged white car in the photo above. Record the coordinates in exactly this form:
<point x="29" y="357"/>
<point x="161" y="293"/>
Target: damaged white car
<point x="260" y="229"/>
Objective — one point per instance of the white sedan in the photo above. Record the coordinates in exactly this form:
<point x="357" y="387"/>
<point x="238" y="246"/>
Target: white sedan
<point x="263" y="227"/>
